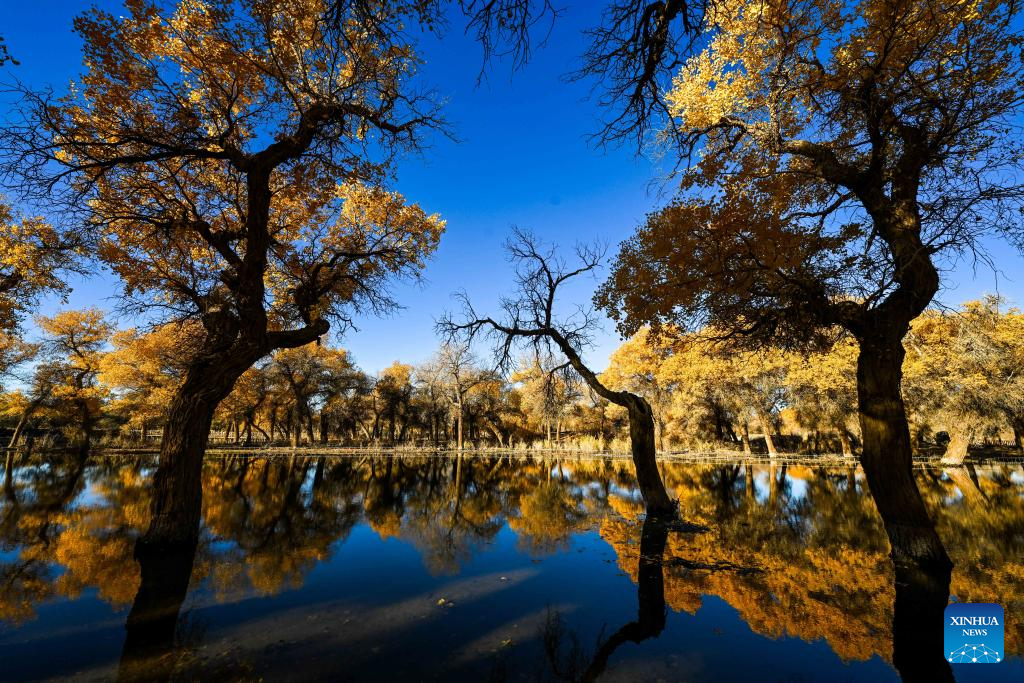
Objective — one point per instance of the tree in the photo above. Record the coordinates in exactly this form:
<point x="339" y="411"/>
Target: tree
<point x="306" y="373"/>
<point x="229" y="160"/>
<point x="636" y="366"/>
<point x="547" y="394"/>
<point x="455" y="372"/>
<point x="964" y="369"/>
<point x="72" y="344"/>
<point x="144" y="369"/>
<point x="240" y="409"/>
<point x="392" y="397"/>
<point x="530" y="315"/>
<point x="823" y="390"/>
<point x="843" y="148"/>
<point x="33" y="256"/>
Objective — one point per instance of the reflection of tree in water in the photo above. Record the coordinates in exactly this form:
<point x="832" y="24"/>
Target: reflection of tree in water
<point x="456" y="506"/>
<point x="90" y="543"/>
<point x="575" y="665"/>
<point x="813" y="535"/>
<point x="280" y="516"/>
<point x="549" y="514"/>
<point x="985" y="528"/>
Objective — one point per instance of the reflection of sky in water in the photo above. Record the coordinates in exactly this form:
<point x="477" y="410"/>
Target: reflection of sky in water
<point x="380" y="605"/>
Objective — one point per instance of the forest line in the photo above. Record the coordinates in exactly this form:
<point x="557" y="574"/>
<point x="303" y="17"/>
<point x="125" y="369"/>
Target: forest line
<point x="90" y="384"/>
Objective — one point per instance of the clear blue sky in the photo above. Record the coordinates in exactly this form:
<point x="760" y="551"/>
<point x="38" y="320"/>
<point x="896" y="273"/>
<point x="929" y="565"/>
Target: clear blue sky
<point x="522" y="159"/>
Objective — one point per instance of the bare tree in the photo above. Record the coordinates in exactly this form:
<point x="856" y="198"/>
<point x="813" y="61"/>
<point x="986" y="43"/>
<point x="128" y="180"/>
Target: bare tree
<point x="529" y="317"/>
<point x="454" y="371"/>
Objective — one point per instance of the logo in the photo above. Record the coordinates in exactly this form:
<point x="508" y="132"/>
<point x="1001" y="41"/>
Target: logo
<point x="973" y="633"/>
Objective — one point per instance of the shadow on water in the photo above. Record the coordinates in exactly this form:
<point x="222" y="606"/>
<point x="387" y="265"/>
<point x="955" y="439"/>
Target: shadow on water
<point x="462" y="568"/>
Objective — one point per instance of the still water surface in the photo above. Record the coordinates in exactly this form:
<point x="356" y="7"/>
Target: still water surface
<point x="487" y="568"/>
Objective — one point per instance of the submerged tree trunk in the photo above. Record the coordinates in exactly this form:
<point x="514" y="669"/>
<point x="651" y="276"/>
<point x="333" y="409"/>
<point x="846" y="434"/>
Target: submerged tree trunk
<point x="887" y="455"/>
<point x="149" y="645"/>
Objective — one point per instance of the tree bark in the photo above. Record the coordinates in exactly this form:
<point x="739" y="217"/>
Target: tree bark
<point x="745" y="438"/>
<point x="959" y="443"/>
<point x="887" y="455"/>
<point x="645" y="459"/>
<point x="766" y="428"/>
<point x="177" y="484"/>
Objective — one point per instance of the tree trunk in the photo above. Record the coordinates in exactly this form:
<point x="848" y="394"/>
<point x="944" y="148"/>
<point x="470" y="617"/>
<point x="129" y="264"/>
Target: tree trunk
<point x="959" y="442"/>
<point x="844" y="442"/>
<point x="645" y="459"/>
<point x="324" y="426"/>
<point x="296" y="427"/>
<point x="659" y="434"/>
<point x="968" y="486"/>
<point x="650" y="595"/>
<point x="745" y="438"/>
<point x="459" y="419"/>
<point x="766" y="428"/>
<point x="177" y="483"/>
<point x="887" y="456"/>
<point x="18" y="429"/>
<point x="309" y="426"/>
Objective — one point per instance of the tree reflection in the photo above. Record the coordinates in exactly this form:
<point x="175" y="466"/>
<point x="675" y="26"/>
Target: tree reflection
<point x="798" y="552"/>
<point x="150" y="647"/>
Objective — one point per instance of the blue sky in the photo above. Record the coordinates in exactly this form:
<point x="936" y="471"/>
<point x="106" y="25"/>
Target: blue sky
<point x="522" y="159"/>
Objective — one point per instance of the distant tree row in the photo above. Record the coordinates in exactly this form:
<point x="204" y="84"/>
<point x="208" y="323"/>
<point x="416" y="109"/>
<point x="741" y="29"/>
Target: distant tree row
<point x="964" y="384"/>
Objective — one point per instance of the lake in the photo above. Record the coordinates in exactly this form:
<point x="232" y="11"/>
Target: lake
<point x="490" y="568"/>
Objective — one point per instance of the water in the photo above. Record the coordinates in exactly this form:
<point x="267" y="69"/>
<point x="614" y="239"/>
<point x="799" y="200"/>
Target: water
<point x="493" y="569"/>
